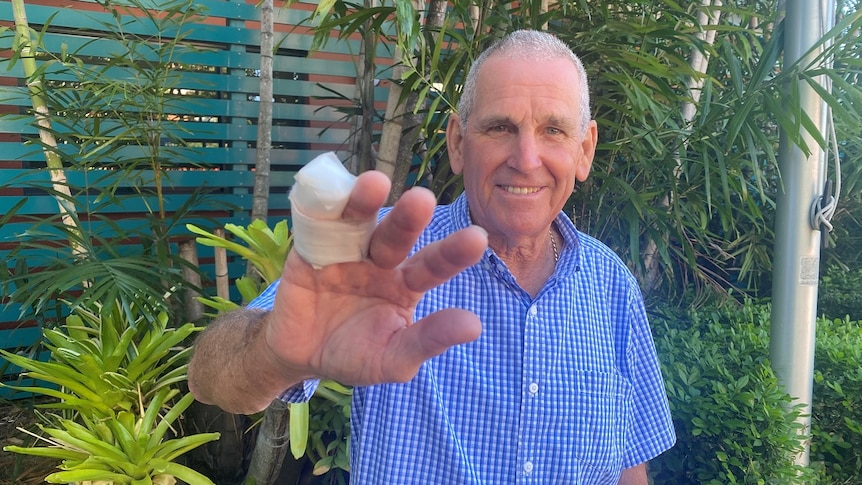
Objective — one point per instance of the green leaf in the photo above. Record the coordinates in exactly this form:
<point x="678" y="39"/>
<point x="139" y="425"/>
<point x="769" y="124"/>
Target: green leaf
<point x="184" y="473"/>
<point x="56" y="373"/>
<point x="82" y="439"/>
<point x="150" y="353"/>
<point x="159" y="431"/>
<point x="298" y="428"/>
<point x="59" y="453"/>
<point x="76" y="476"/>
<point x="172" y="449"/>
<point x="152" y="412"/>
<point x="123" y="428"/>
<point x="210" y="239"/>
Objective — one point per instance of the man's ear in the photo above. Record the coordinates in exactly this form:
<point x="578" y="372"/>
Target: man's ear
<point x="453" y="143"/>
<point x="588" y="151"/>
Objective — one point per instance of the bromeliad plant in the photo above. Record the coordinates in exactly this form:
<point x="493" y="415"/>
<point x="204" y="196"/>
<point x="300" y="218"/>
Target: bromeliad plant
<point x="126" y="448"/>
<point x="115" y="383"/>
<point x="267" y="249"/>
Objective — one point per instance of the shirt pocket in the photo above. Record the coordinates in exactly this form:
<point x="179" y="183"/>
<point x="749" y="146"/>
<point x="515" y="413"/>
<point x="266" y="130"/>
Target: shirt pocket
<point x="600" y="418"/>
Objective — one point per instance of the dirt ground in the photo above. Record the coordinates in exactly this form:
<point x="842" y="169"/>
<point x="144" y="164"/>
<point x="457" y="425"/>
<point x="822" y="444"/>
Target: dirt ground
<point x="14" y="468"/>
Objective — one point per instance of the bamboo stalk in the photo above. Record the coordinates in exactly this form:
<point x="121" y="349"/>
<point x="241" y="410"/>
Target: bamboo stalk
<point x="222" y="280"/>
<point x="24" y="45"/>
<point x="194" y="309"/>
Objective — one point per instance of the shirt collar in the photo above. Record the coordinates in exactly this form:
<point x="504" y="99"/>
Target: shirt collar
<point x="459" y="213"/>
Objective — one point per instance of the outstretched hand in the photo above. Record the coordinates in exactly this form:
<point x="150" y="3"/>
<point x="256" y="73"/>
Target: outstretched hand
<point x="353" y="322"/>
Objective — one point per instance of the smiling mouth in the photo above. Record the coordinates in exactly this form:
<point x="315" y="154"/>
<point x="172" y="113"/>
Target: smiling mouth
<point x="520" y="190"/>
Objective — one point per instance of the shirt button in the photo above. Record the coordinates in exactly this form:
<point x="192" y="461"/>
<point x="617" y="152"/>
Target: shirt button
<point x="528" y="467"/>
<point x="534" y="388"/>
<point x="532" y="311"/>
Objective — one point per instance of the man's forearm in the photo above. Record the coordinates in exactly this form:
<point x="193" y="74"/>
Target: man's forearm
<point x="233" y="368"/>
<point x="636" y="475"/>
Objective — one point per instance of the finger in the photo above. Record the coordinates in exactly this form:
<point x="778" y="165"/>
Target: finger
<point x="427" y="338"/>
<point x="396" y="234"/>
<point x="438" y="262"/>
<point x="368" y="195"/>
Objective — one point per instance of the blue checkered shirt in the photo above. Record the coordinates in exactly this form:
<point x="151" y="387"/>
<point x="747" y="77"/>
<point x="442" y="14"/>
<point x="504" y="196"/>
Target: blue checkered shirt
<point x="563" y="388"/>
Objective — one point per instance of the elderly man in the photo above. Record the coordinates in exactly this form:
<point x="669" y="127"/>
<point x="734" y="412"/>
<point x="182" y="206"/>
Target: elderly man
<point x="559" y="383"/>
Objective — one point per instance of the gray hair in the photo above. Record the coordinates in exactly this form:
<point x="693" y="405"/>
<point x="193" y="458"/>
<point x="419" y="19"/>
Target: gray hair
<point x="525" y="44"/>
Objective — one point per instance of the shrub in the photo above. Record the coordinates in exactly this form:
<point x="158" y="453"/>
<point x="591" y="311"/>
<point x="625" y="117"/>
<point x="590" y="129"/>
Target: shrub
<point x="839" y="291"/>
<point x="836" y="417"/>
<point x="730" y="413"/>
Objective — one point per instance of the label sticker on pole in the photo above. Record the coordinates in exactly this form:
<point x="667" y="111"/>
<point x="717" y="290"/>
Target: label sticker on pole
<point x="317" y="199"/>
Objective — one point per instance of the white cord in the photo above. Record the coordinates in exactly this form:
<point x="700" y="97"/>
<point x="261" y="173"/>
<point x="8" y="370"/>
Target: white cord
<point x="824" y="206"/>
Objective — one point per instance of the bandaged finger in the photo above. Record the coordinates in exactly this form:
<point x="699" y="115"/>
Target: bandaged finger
<point x="317" y="200"/>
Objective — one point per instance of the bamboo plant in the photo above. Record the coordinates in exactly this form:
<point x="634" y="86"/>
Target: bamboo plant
<point x="25" y="50"/>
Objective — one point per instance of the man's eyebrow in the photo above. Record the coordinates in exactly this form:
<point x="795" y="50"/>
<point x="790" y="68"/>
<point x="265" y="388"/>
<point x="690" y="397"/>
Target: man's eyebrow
<point x="553" y="120"/>
<point x="561" y="121"/>
<point x="494" y="121"/>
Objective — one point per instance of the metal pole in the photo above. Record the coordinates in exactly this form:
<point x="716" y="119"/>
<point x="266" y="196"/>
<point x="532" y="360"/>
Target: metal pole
<point x="797" y="244"/>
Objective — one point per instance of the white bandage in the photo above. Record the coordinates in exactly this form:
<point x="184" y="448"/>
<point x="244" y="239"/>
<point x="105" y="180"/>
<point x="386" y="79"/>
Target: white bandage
<point x="317" y="199"/>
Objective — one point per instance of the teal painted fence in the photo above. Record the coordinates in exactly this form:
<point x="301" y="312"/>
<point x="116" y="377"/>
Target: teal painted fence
<point x="216" y="109"/>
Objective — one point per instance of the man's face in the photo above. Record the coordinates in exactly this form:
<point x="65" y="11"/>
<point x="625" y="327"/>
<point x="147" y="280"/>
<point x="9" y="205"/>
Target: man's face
<point x="523" y="148"/>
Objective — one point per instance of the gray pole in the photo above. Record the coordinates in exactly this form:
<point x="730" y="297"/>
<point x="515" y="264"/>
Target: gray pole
<point x="797" y="244"/>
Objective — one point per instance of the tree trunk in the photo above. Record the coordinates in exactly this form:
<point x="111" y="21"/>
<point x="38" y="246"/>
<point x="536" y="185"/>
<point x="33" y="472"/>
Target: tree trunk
<point x="394" y="119"/>
<point x="362" y="130"/>
<point x="268" y="455"/>
<point x="409" y="136"/>
<point x="222" y="278"/>
<point x="390" y="137"/>
<point x="260" y="199"/>
<point x="401" y="126"/>
<point x="708" y="15"/>
<point x="270" y="449"/>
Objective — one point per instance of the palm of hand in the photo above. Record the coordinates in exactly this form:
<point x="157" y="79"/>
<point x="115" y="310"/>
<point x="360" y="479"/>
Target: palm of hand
<point x="342" y="321"/>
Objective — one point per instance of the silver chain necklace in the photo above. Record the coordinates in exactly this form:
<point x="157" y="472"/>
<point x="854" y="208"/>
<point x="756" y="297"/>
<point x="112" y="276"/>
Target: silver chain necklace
<point x="554" y="245"/>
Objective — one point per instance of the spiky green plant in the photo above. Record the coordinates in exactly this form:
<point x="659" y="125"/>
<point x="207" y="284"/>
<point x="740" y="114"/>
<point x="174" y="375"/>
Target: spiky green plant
<point x="267" y="249"/>
<point x="113" y="384"/>
<point x="125" y="448"/>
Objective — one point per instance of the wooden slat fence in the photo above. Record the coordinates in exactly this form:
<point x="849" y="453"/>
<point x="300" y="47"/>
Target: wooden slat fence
<point x="216" y="108"/>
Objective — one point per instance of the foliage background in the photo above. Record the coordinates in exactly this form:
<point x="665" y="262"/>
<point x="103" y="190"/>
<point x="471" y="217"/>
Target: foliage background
<point x="696" y="196"/>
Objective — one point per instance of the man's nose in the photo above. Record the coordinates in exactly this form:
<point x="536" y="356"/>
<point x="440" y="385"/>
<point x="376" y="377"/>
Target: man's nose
<point x="525" y="153"/>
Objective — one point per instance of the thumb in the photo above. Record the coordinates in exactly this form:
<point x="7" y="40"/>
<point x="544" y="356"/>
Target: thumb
<point x="427" y="338"/>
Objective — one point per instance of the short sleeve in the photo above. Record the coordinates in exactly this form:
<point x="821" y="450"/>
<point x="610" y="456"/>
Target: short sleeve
<point x="265" y="300"/>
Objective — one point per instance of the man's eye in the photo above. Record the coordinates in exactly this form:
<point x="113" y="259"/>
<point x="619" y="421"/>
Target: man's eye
<point x="499" y="129"/>
<point x="554" y="131"/>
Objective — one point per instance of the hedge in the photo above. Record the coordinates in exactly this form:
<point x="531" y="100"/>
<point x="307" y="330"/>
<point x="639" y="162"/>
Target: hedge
<point x="733" y="419"/>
